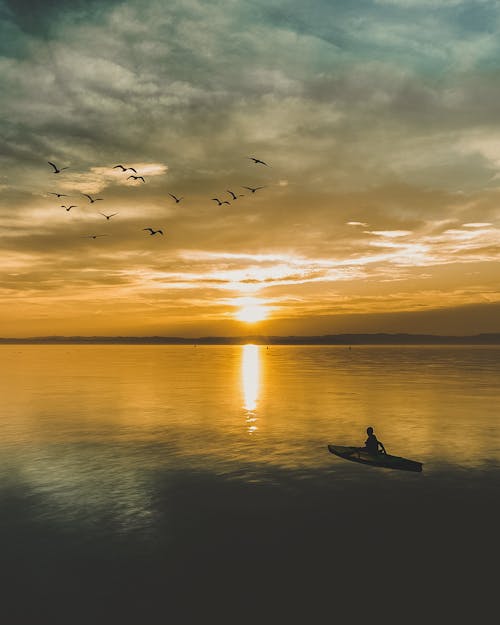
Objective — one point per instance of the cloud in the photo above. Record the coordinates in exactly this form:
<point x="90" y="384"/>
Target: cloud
<point x="390" y="234"/>
<point x="368" y="118"/>
<point x="477" y="225"/>
<point x="437" y="4"/>
<point x="99" y="178"/>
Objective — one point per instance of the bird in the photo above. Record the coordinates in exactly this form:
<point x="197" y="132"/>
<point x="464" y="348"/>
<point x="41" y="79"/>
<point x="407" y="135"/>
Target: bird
<point x="91" y="199"/>
<point x="177" y="199"/>
<point x="152" y="232"/>
<point x="257" y="160"/>
<point x="108" y="217"/>
<point x="234" y="196"/>
<point x="216" y="199"/>
<point x="253" y="189"/>
<point x="125" y="168"/>
<point x="68" y="208"/>
<point x="58" y="194"/>
<point x="136" y="178"/>
<point x="94" y="236"/>
<point x="56" y="169"/>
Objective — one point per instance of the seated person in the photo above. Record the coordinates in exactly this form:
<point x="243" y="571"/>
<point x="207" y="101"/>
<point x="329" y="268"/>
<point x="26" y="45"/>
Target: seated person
<point x="372" y="444"/>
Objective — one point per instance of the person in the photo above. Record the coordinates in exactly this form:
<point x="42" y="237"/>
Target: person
<point x="372" y="444"/>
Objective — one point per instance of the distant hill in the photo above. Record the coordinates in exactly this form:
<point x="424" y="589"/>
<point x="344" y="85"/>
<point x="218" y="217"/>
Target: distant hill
<point x="328" y="339"/>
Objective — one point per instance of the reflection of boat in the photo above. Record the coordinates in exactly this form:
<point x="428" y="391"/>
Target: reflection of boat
<point x="355" y="454"/>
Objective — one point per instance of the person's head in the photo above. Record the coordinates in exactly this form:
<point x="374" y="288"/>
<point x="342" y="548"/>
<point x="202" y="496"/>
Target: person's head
<point x="369" y="431"/>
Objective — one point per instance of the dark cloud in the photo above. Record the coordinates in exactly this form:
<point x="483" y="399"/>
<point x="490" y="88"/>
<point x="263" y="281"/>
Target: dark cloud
<point x="42" y="17"/>
<point x="476" y="17"/>
<point x="404" y="33"/>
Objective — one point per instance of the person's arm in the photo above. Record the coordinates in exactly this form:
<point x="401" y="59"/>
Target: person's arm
<point x="382" y="447"/>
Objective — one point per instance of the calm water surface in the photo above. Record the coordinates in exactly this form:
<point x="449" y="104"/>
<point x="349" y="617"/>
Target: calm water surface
<point x="141" y="484"/>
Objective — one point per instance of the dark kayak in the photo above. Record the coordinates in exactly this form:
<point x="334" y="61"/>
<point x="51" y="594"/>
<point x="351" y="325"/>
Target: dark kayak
<point x="355" y="454"/>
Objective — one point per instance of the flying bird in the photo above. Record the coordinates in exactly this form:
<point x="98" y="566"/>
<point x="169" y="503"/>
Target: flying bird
<point x="136" y="178"/>
<point x="125" y="168"/>
<point x="152" y="232"/>
<point x="234" y="196"/>
<point x="91" y="199"/>
<point x="68" y="208"/>
<point x="94" y="236"/>
<point x="108" y="217"/>
<point x="58" y="194"/>
<point x="56" y="169"/>
<point x="216" y="199"/>
<point x="177" y="199"/>
<point x="253" y="189"/>
<point x="257" y="160"/>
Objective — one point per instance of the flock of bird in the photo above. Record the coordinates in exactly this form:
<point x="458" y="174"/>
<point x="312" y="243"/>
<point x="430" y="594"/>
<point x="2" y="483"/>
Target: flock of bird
<point x="136" y="176"/>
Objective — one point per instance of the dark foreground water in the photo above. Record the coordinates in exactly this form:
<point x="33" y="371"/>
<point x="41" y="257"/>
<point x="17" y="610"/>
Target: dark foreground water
<point x="145" y="485"/>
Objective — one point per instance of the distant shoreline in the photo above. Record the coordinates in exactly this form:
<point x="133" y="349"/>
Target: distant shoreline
<point x="329" y="339"/>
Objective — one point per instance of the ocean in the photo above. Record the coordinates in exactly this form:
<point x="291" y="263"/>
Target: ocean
<point x="152" y="484"/>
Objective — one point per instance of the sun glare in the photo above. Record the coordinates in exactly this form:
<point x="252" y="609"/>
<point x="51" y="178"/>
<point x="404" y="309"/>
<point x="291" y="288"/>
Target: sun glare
<point x="250" y="376"/>
<point x="250" y="372"/>
<point x="251" y="311"/>
<point x="251" y="314"/>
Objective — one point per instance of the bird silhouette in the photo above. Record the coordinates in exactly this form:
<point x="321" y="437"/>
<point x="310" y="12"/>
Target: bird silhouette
<point x="177" y="199"/>
<point x="136" y="178"/>
<point x="253" y="189"/>
<point x="68" y="208"/>
<point x="94" y="236"/>
<point x="257" y="160"/>
<point x="216" y="199"/>
<point x="234" y="196"/>
<point x="108" y="217"/>
<point x="152" y="232"/>
<point x="58" y="194"/>
<point x="92" y="199"/>
<point x="125" y="168"/>
<point x="56" y="169"/>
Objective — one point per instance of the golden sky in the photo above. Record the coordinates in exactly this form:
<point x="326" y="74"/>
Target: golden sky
<point x="379" y="122"/>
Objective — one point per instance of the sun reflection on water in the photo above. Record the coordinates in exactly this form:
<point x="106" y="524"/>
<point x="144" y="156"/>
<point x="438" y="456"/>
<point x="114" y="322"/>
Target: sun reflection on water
<point x="250" y="374"/>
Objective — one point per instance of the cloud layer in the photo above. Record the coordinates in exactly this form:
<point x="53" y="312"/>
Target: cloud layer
<point x="379" y="122"/>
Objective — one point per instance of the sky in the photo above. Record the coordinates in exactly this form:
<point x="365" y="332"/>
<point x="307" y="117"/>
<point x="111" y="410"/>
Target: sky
<point x="379" y="124"/>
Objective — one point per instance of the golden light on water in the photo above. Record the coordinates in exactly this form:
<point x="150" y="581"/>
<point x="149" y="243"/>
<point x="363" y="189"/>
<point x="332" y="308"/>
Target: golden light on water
<point x="250" y="374"/>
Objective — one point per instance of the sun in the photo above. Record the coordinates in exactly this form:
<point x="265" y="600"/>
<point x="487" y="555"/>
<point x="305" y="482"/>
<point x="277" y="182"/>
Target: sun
<point x="251" y="311"/>
<point x="251" y="314"/>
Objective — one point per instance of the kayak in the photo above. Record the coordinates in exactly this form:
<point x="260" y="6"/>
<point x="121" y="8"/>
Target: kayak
<point x="355" y="454"/>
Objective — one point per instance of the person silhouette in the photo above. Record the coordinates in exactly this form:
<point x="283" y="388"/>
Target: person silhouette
<point x="372" y="444"/>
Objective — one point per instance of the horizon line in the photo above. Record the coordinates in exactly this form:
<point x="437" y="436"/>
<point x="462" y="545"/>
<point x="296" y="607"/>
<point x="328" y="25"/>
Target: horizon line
<point x="341" y="339"/>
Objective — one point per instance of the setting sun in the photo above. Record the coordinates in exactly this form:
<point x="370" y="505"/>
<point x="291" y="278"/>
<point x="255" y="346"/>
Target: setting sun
<point x="251" y="311"/>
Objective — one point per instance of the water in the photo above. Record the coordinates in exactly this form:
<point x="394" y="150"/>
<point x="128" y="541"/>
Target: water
<point x="155" y="484"/>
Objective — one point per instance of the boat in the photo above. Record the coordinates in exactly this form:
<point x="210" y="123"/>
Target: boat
<point x="357" y="454"/>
